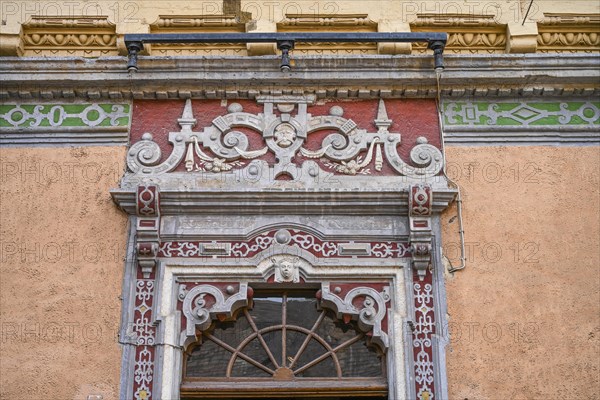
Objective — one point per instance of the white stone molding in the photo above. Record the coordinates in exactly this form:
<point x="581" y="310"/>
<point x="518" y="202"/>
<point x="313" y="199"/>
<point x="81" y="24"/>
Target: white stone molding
<point x="364" y="76"/>
<point x="392" y="299"/>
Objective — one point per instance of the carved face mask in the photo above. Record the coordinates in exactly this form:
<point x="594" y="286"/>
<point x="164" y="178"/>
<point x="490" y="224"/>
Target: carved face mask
<point x="287" y="270"/>
<point x="285" y="134"/>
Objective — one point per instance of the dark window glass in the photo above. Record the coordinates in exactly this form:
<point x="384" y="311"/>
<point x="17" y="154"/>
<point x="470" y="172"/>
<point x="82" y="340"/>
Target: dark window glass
<point x="284" y="337"/>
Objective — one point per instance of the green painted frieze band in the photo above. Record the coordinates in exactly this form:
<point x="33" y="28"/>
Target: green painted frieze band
<point x="525" y="114"/>
<point x="65" y="115"/>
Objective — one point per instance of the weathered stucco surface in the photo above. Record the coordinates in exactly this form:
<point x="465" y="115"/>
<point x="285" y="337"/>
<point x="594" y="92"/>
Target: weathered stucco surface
<point x="524" y="319"/>
<point x="62" y="248"/>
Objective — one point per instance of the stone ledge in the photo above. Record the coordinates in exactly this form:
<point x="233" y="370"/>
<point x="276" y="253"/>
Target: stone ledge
<point x="294" y="201"/>
<point x="500" y="75"/>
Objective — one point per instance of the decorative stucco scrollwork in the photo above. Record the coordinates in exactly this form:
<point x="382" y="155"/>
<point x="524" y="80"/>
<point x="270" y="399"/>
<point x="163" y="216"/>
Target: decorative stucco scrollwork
<point x="199" y="315"/>
<point x="427" y="158"/>
<point x="144" y="153"/>
<point x="345" y="149"/>
<point x="369" y="313"/>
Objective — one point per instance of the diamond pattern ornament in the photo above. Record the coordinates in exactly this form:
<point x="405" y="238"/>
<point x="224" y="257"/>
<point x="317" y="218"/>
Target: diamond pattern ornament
<point x="526" y="114"/>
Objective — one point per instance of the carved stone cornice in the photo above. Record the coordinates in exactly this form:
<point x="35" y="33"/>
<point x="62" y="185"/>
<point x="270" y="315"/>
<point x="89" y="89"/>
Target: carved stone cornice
<point x="336" y="23"/>
<point x="198" y="24"/>
<point x="569" y="33"/>
<point x="283" y="201"/>
<point x="69" y="22"/>
<point x="570" y="19"/>
<point x="89" y="35"/>
<point x="466" y="32"/>
<point x="489" y="75"/>
<point x="457" y="20"/>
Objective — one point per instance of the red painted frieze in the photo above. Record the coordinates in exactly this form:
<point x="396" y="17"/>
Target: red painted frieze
<point x="344" y="138"/>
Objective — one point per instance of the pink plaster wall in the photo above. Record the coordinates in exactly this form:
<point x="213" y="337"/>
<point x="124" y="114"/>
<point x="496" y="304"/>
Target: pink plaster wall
<point x="524" y="314"/>
<point x="62" y="249"/>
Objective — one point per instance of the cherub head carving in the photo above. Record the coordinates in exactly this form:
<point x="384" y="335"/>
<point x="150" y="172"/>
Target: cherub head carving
<point x="286" y="269"/>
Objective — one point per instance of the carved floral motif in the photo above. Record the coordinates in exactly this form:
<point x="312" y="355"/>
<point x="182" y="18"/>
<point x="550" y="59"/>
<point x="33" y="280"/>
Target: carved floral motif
<point x="420" y="201"/>
<point x="148" y="224"/>
<point x="568" y="32"/>
<point x="466" y="32"/>
<point x="47" y="34"/>
<point x="420" y="206"/>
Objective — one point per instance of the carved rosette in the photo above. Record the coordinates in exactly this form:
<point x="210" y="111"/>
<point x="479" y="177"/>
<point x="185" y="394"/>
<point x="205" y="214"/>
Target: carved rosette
<point x="420" y="203"/>
<point x="204" y="303"/>
<point x="148" y="225"/>
<point x="221" y="147"/>
<point x="365" y="305"/>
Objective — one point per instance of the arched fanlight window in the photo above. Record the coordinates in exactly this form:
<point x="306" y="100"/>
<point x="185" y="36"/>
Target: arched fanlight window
<point x="284" y="345"/>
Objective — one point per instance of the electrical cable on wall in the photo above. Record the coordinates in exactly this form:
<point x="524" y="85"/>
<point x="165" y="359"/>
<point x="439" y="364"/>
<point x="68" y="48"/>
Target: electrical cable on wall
<point x="458" y="198"/>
